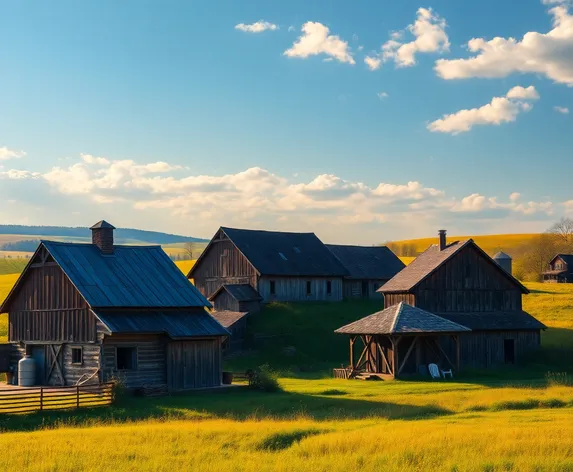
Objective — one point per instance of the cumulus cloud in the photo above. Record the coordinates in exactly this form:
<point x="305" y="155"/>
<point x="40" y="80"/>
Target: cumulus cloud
<point x="14" y="174"/>
<point x="257" y="27"/>
<point x="562" y="110"/>
<point x="549" y="54"/>
<point x="499" y="110"/>
<point x="315" y="40"/>
<point x="428" y="34"/>
<point x="6" y="153"/>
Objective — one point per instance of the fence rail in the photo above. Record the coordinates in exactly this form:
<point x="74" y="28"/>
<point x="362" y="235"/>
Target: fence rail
<point x="28" y="399"/>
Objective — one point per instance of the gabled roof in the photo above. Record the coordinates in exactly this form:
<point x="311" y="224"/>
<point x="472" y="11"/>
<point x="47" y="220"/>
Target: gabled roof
<point x="228" y="318"/>
<point x="367" y="262"/>
<point x="286" y="254"/>
<point x="567" y="258"/>
<point x="175" y="324"/>
<point x="240" y="292"/>
<point x="131" y="277"/>
<point x="402" y="319"/>
<point x="516" y="320"/>
<point x="102" y="224"/>
<point x="430" y="260"/>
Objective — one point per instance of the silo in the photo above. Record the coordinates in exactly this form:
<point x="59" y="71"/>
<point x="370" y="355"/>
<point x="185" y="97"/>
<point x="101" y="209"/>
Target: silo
<point x="26" y="372"/>
<point x="504" y="261"/>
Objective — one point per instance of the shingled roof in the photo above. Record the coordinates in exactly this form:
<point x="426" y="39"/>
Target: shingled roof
<point x="240" y="292"/>
<point x="402" y="319"/>
<point x="429" y="261"/>
<point x="287" y="254"/>
<point x="228" y="318"/>
<point x="367" y="262"/>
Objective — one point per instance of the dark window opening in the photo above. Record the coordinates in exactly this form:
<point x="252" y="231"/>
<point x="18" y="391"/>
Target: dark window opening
<point x="308" y="287"/>
<point x="126" y="358"/>
<point x="509" y="351"/>
<point x="273" y="287"/>
<point x="77" y="355"/>
<point x="328" y="287"/>
<point x="365" y="289"/>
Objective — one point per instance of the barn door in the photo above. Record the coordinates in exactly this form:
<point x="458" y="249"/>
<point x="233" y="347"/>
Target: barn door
<point x="39" y="355"/>
<point x="55" y="365"/>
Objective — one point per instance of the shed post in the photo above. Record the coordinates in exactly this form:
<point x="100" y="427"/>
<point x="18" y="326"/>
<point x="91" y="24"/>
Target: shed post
<point x="352" y="339"/>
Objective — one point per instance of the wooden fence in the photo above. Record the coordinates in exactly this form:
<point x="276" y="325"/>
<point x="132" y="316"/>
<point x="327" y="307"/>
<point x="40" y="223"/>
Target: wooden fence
<point x="28" y="399"/>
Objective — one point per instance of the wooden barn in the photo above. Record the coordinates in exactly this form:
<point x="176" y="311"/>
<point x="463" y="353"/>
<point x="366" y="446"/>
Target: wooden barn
<point x="88" y="313"/>
<point x="560" y="269"/>
<point x="368" y="269"/>
<point x="460" y="283"/>
<point x="280" y="266"/>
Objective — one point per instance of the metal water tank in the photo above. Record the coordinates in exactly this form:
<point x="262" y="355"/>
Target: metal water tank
<point x="26" y="372"/>
<point x="504" y="261"/>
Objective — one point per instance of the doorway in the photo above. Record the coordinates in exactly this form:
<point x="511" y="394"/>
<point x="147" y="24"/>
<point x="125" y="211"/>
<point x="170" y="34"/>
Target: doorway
<point x="509" y="351"/>
<point x="39" y="355"/>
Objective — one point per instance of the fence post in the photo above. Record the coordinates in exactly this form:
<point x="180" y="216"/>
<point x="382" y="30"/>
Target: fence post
<point x="78" y="396"/>
<point x="41" y="398"/>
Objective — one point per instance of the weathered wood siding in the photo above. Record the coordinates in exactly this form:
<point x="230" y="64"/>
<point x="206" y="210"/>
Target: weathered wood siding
<point x="223" y="301"/>
<point x="194" y="364"/>
<point x="48" y="308"/>
<point x="353" y="288"/>
<point x="467" y="283"/>
<point x="294" y="289"/>
<point x="222" y="263"/>
<point x="151" y="365"/>
<point x="391" y="299"/>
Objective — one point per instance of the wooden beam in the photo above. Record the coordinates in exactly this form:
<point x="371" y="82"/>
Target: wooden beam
<point x="414" y="342"/>
<point x="457" y="341"/>
<point x="352" y="339"/>
<point x="443" y="353"/>
<point x="384" y="358"/>
<point x="394" y="356"/>
<point x="358" y="364"/>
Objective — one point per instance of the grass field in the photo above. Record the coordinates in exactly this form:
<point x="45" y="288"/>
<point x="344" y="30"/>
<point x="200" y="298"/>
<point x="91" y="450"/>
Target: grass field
<point x="489" y="243"/>
<point x="519" y="419"/>
<point x="12" y="265"/>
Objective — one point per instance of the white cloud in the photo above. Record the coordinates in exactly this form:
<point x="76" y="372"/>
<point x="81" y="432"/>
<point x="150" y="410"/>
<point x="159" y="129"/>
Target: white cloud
<point x="549" y="54"/>
<point x="382" y="95"/>
<point x="429" y="36"/>
<point x="562" y="110"/>
<point x="15" y="174"/>
<point x="6" y="154"/>
<point x="257" y="27"/>
<point x="499" y="110"/>
<point x="316" y="39"/>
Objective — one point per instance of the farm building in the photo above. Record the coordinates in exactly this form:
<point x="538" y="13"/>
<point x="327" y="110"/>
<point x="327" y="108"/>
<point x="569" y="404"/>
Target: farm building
<point x="560" y="269"/>
<point x="280" y="266"/>
<point x="93" y="312"/>
<point x="368" y="269"/>
<point x="456" y="283"/>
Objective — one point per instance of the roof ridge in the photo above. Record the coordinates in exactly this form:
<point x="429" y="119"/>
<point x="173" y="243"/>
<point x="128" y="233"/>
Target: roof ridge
<point x="398" y="311"/>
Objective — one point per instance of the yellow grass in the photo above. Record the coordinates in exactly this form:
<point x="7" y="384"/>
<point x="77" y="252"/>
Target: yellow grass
<point x="489" y="243"/>
<point x="406" y="259"/>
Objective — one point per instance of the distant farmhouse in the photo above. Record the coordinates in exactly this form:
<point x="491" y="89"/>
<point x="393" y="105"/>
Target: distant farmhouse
<point x="88" y="313"/>
<point x="283" y="266"/>
<point x="560" y="269"/>
<point x="454" y="306"/>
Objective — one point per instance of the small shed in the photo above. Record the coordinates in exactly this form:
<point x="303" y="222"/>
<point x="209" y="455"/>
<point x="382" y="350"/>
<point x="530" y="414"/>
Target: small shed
<point x="401" y="340"/>
<point x="235" y="323"/>
<point x="368" y="267"/>
<point x="236" y="298"/>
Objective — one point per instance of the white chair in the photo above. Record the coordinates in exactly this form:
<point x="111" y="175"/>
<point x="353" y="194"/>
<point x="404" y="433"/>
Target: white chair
<point x="447" y="372"/>
<point x="434" y="371"/>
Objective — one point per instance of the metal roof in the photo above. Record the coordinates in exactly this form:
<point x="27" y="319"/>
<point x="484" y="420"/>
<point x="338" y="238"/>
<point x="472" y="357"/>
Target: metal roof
<point x="492" y="321"/>
<point x="175" y="324"/>
<point x="402" y="319"/>
<point x="367" y="262"/>
<point x="133" y="276"/>
<point x="501" y="255"/>
<point x="288" y="254"/>
<point x="102" y="224"/>
<point x="429" y="261"/>
<point x="240" y="292"/>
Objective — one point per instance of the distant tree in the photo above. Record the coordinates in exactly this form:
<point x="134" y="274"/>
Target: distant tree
<point x="188" y="248"/>
<point x="563" y="229"/>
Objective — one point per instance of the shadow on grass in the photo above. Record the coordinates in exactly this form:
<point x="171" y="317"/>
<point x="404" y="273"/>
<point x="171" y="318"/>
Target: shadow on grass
<point x="233" y="404"/>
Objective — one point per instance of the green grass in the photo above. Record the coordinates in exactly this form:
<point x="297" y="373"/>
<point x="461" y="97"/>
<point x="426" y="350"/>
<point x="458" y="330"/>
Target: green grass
<point x="12" y="265"/>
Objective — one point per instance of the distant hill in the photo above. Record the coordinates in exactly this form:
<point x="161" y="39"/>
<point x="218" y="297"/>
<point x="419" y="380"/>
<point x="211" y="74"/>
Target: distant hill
<point x="25" y="234"/>
<point x="491" y="243"/>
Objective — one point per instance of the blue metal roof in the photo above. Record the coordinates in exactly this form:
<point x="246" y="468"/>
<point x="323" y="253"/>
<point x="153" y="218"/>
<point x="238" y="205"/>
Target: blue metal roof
<point x="133" y="276"/>
<point x="175" y="324"/>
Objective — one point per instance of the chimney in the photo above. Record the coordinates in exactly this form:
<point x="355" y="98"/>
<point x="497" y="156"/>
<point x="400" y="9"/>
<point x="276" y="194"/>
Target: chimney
<point x="102" y="236"/>
<point x="442" y="234"/>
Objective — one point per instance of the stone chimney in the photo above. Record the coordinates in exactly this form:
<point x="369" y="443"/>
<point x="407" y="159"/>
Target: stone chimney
<point x="442" y="234"/>
<point x="102" y="236"/>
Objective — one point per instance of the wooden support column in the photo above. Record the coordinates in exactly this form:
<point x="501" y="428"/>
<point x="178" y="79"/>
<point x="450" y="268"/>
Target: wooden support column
<point x="414" y="342"/>
<point x="352" y="339"/>
<point x="394" y="342"/>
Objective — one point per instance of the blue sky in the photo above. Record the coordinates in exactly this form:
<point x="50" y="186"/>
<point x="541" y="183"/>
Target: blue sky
<point x="172" y="116"/>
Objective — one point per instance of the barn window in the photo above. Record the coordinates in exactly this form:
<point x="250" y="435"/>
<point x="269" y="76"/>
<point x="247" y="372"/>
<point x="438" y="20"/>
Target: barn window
<point x="283" y="257"/>
<point x="328" y="287"/>
<point x="308" y="287"/>
<point x="77" y="356"/>
<point x="273" y="287"/>
<point x="126" y="358"/>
